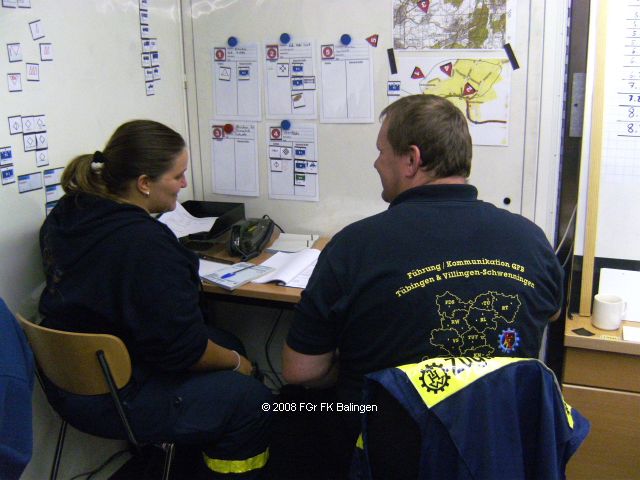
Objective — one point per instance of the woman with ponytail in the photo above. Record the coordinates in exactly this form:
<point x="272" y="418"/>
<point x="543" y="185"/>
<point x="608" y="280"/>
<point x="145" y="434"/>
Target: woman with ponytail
<point x="111" y="267"/>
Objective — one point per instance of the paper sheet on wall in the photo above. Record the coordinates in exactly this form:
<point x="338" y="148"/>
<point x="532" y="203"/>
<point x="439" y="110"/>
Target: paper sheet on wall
<point x="234" y="157"/>
<point x="236" y="83"/>
<point x="479" y="87"/>
<point x="293" y="162"/>
<point x="290" y="81"/>
<point x="347" y="83"/>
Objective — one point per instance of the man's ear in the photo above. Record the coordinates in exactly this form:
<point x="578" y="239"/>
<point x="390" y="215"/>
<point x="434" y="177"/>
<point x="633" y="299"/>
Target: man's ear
<point x="414" y="160"/>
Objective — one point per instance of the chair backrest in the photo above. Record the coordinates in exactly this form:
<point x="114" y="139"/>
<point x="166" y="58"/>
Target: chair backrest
<point x="70" y="361"/>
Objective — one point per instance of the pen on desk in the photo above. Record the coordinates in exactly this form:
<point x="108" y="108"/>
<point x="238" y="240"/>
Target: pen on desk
<point x="231" y="274"/>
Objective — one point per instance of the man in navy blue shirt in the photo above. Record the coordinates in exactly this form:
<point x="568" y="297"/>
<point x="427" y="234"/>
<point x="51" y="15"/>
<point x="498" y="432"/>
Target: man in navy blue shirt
<point x="440" y="273"/>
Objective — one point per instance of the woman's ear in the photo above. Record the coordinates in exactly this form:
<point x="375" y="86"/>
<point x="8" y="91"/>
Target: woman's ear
<point x="143" y="184"/>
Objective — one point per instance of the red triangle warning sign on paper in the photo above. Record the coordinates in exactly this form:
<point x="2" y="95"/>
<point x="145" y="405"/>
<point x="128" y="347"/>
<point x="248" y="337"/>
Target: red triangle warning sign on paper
<point x="424" y="5"/>
<point x="417" y="73"/>
<point x="373" y="40"/>
<point x="468" y="89"/>
<point x="447" y="69"/>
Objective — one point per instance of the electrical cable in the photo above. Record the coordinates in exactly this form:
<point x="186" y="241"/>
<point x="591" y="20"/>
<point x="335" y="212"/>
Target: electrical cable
<point x="268" y="345"/>
<point x="566" y="231"/>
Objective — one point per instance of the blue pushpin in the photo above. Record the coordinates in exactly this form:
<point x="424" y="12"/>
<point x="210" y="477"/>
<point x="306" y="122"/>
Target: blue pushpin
<point x="232" y="41"/>
<point x="285" y="38"/>
<point x="285" y="124"/>
<point x="345" y="39"/>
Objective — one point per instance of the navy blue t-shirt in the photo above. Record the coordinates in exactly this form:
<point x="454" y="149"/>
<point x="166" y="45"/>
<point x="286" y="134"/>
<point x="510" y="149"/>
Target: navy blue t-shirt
<point x="439" y="273"/>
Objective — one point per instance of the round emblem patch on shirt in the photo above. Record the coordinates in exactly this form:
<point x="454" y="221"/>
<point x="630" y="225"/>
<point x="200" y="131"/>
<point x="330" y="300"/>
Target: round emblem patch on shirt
<point x="508" y="340"/>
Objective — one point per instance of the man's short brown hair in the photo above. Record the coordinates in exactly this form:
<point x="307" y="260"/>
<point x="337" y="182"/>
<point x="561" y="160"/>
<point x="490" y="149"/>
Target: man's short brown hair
<point x="434" y="125"/>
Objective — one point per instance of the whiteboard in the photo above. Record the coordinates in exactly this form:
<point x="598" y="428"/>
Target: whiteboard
<point x="618" y="199"/>
<point x="93" y="83"/>
<point x="349" y="187"/>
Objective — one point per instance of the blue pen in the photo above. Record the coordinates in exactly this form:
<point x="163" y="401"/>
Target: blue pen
<point x="231" y="274"/>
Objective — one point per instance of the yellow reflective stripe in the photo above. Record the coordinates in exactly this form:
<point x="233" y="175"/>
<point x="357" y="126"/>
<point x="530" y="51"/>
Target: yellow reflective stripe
<point x="360" y="442"/>
<point x="237" y="466"/>
<point x="438" y="378"/>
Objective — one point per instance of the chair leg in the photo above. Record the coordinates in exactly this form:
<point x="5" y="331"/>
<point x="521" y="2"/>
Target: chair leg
<point x="58" y="454"/>
<point x="169" y="450"/>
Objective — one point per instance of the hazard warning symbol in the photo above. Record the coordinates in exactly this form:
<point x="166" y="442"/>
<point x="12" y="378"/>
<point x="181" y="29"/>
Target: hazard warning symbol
<point x="424" y="5"/>
<point x="217" y="132"/>
<point x="327" y="52"/>
<point x="417" y="73"/>
<point x="447" y="69"/>
<point x="468" y="89"/>
<point x="220" y="54"/>
<point x="272" y="52"/>
<point x="373" y="40"/>
<point x="276" y="133"/>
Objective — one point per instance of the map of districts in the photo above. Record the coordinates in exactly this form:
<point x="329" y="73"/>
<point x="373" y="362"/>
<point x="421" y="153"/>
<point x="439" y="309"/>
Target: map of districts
<point x="471" y="327"/>
<point x="425" y="24"/>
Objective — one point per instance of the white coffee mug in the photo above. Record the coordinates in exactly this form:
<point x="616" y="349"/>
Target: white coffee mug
<point x="608" y="311"/>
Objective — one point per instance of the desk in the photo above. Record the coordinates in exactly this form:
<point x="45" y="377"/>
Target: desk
<point x="267" y="292"/>
<point x="601" y="379"/>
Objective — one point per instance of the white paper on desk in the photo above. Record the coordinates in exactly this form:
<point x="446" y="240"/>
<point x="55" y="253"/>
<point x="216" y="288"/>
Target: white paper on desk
<point x="288" y="266"/>
<point x="630" y="334"/>
<point x="182" y="223"/>
<point x="625" y="284"/>
<point x="207" y="267"/>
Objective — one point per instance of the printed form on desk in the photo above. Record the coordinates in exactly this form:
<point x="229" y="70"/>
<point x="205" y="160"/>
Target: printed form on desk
<point x="291" y="269"/>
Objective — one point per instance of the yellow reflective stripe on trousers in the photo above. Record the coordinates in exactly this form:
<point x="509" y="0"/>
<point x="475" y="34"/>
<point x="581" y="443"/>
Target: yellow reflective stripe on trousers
<point x="237" y="466"/>
<point x="360" y="442"/>
<point x="438" y="378"/>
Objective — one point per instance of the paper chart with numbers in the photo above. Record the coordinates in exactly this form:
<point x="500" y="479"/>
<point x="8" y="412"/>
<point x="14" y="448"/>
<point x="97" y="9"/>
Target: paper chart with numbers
<point x="618" y="230"/>
<point x="236" y="83"/>
<point x="293" y="162"/>
<point x="290" y="81"/>
<point x="234" y="157"/>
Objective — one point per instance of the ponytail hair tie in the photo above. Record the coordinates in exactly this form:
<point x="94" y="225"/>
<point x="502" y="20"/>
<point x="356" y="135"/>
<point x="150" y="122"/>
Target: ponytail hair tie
<point x="98" y="160"/>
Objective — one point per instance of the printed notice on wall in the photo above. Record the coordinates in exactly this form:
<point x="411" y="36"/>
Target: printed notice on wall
<point x="236" y="83"/>
<point x="347" y="82"/>
<point x="293" y="162"/>
<point x="290" y="81"/>
<point x="479" y="87"/>
<point x="234" y="156"/>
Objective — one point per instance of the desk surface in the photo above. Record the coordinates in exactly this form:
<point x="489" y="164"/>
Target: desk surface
<point x="256" y="290"/>
<point x="604" y="340"/>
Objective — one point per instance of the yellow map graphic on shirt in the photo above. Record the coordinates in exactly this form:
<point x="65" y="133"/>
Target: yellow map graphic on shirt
<point x="470" y="327"/>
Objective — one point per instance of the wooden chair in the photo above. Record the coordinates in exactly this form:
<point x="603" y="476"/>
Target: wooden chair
<point x="85" y="364"/>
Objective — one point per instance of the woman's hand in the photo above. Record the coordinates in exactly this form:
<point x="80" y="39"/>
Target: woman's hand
<point x="245" y="368"/>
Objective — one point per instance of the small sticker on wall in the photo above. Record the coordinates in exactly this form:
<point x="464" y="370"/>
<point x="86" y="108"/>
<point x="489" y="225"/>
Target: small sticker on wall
<point x="42" y="141"/>
<point x="52" y="176"/>
<point x="29" y="182"/>
<point x="14" y="81"/>
<point x="150" y="87"/>
<point x="46" y="52"/>
<point x="15" y="125"/>
<point x="14" y="52"/>
<point x="33" y="72"/>
<point x="42" y="158"/>
<point x="53" y="193"/>
<point x="6" y="156"/>
<point x="24" y="3"/>
<point x="37" y="31"/>
<point x="49" y="206"/>
<point x="9" y="3"/>
<point x="29" y="142"/>
<point x="28" y="124"/>
<point x="8" y="175"/>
